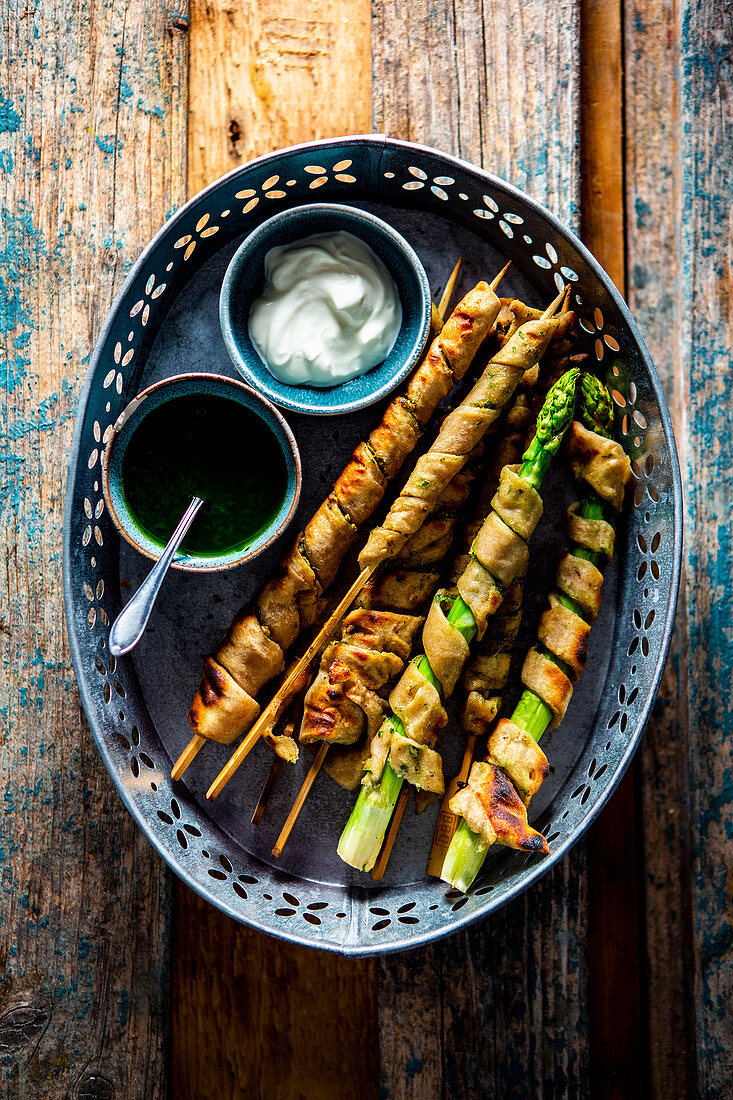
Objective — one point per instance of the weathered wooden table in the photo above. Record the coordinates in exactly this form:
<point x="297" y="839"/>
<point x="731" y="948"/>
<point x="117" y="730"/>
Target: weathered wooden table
<point x="614" y="975"/>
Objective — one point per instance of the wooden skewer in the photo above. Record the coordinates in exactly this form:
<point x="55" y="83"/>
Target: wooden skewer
<point x="497" y="278"/>
<point x="302" y="795"/>
<point x="566" y="299"/>
<point x="440" y="846"/>
<point x="193" y="747"/>
<point x="381" y="865"/>
<point x="447" y="822"/>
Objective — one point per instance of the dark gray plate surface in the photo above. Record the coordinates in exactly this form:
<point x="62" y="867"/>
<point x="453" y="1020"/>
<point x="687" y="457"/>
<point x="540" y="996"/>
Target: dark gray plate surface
<point x="137" y="708"/>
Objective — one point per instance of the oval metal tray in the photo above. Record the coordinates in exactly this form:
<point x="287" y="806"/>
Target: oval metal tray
<point x="164" y="321"/>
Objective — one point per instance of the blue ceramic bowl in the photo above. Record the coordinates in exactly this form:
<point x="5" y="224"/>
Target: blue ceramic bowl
<point x="245" y="280"/>
<point x="187" y="385"/>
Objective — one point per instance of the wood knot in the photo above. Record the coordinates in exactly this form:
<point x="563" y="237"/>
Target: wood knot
<point x="93" y="1087"/>
<point x="235" y="134"/>
<point x="22" y="1025"/>
<point x="180" y="23"/>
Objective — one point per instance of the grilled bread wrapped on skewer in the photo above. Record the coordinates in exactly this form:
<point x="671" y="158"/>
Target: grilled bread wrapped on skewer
<point x="494" y="803"/>
<point x="225" y="705"/>
<point x="460" y="432"/>
<point x="487" y="669"/>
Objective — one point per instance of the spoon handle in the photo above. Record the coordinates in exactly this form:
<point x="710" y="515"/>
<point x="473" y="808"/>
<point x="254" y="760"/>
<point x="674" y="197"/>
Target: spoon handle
<point x="128" y="627"/>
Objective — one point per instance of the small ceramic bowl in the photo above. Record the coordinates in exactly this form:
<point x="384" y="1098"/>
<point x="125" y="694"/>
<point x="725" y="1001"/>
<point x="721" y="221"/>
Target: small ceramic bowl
<point x="187" y="385"/>
<point x="245" y="280"/>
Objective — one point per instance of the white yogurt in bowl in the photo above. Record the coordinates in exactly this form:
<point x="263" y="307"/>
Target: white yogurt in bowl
<point x="329" y="313"/>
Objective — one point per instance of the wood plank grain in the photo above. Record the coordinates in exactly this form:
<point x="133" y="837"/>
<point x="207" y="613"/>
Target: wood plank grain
<point x="91" y="158"/>
<point x="680" y="191"/>
<point x="514" y="1003"/>
<point x="602" y="135"/>
<point x="281" y="1022"/>
<point x="653" y="149"/>
<point x="272" y="74"/>
<point x="261" y="77"/>
<point x="411" y="1058"/>
<point x="514" y="989"/>
<point x="614" y="937"/>
<point x="501" y="87"/>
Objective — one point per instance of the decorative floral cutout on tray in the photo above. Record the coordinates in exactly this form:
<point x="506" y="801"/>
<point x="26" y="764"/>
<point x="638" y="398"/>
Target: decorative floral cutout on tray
<point x="189" y="240"/>
<point x="151" y="293"/>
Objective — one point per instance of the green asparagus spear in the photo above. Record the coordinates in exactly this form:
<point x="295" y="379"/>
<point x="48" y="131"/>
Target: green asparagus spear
<point x="466" y="856"/>
<point x="364" y="832"/>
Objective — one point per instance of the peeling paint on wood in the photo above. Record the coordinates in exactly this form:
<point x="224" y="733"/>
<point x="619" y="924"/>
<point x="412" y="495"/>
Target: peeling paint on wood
<point x="92" y="156"/>
<point x="679" y="197"/>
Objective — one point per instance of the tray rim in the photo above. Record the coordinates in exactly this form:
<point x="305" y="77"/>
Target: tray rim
<point x="535" y="872"/>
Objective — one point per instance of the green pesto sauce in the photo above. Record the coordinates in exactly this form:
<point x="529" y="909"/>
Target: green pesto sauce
<point x="209" y="447"/>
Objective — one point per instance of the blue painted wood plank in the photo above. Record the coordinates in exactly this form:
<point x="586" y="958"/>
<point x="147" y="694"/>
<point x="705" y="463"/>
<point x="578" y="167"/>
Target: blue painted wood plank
<point x="92" y="156"/>
<point x="680" y="194"/>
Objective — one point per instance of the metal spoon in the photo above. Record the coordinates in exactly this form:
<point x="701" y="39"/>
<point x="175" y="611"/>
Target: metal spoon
<point x="128" y="627"/>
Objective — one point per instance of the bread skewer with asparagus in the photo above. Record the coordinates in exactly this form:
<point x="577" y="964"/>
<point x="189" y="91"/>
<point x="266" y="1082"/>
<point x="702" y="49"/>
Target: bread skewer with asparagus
<point x="508" y="445"/>
<point x="508" y="449"/>
<point x="487" y="670"/>
<point x="493" y="805"/>
<point x="346" y="703"/>
<point x="402" y="749"/>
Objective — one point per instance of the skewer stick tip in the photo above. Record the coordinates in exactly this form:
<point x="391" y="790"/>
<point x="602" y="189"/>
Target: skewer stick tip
<point x="497" y="278"/>
<point x="298" y="804"/>
<point x="566" y="300"/>
<point x="449" y="288"/>
<point x="553" y="306"/>
<point x="193" y="747"/>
